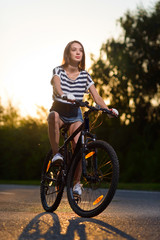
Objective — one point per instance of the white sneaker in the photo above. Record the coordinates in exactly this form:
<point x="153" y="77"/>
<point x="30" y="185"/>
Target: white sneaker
<point x="57" y="158"/>
<point x="77" y="189"/>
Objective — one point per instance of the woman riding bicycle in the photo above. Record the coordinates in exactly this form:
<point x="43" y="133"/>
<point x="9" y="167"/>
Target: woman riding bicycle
<point x="70" y="81"/>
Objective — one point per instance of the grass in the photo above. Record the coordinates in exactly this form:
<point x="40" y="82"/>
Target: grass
<point x="21" y="182"/>
<point x="125" y="186"/>
<point x="140" y="186"/>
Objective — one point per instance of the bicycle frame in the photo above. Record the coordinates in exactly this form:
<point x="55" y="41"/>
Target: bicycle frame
<point x="81" y="144"/>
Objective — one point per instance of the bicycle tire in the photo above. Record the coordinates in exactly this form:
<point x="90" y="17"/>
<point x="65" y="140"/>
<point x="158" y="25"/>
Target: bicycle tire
<point x="96" y="196"/>
<point x="52" y="186"/>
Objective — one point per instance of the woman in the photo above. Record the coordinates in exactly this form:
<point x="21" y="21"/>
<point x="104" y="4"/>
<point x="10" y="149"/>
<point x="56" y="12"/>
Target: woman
<point x="71" y="81"/>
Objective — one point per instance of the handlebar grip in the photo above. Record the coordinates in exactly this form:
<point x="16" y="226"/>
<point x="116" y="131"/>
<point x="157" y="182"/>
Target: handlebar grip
<point x="64" y="97"/>
<point x="105" y="110"/>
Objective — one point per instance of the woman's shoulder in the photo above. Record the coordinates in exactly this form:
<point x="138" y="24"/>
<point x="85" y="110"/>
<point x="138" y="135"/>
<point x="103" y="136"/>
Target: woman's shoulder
<point x="85" y="73"/>
<point x="58" y="70"/>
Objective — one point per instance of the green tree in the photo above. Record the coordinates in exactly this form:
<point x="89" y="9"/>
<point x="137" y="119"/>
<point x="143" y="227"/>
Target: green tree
<point x="23" y="143"/>
<point x="127" y="73"/>
<point x="129" y="68"/>
<point x="10" y="115"/>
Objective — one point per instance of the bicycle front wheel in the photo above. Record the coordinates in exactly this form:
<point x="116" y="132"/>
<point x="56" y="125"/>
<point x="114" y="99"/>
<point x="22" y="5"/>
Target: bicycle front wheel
<point x="100" y="182"/>
<point x="52" y="186"/>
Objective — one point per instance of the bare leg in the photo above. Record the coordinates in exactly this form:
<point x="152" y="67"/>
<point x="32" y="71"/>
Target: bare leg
<point x="54" y="124"/>
<point x="78" y="172"/>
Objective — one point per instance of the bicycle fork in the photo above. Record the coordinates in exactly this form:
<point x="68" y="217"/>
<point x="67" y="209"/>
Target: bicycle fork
<point x="92" y="138"/>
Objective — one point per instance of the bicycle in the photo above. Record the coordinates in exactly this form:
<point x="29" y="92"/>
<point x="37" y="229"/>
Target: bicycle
<point x="99" y="177"/>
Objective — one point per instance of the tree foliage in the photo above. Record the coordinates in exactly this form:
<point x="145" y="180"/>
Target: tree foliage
<point x="129" y="68"/>
<point x="23" y="144"/>
<point x="127" y="73"/>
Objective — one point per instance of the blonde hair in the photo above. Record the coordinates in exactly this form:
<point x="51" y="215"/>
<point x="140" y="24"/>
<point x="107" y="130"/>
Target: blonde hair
<point x="66" y="56"/>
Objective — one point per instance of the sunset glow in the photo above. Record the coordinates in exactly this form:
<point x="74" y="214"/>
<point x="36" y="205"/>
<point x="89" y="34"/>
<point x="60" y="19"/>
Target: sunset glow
<point x="34" y="34"/>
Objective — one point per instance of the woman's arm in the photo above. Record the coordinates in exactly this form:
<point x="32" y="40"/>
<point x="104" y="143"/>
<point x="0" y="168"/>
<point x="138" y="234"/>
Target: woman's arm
<point x="56" y="85"/>
<point x="57" y="88"/>
<point x="97" y="98"/>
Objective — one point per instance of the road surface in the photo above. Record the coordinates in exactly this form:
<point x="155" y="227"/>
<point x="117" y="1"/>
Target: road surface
<point x="131" y="215"/>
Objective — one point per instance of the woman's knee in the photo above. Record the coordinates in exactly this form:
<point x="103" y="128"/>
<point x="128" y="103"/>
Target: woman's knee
<point x="53" y="117"/>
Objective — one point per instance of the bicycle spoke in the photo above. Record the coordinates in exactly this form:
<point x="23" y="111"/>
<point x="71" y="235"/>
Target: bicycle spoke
<point x="98" y="188"/>
<point x="51" y="185"/>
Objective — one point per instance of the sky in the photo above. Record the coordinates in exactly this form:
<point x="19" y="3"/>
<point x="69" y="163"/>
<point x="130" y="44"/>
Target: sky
<point x="34" y="33"/>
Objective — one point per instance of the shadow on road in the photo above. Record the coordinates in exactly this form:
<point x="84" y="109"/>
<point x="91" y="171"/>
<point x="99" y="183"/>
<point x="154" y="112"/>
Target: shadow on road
<point x="47" y="226"/>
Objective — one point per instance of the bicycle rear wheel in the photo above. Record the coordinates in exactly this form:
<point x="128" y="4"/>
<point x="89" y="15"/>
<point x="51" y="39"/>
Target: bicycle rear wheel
<point x="52" y="186"/>
<point x="100" y="185"/>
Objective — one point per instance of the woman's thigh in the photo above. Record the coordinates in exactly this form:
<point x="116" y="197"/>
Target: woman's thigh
<point x="72" y="128"/>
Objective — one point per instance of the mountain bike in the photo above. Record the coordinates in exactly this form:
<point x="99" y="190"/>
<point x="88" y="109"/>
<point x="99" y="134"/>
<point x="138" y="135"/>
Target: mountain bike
<point x="99" y="174"/>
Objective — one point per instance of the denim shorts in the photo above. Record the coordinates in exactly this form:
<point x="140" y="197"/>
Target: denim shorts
<point x="78" y="118"/>
<point x="68" y="113"/>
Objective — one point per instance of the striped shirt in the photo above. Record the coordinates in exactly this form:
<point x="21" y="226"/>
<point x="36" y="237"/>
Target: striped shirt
<point x="76" y="87"/>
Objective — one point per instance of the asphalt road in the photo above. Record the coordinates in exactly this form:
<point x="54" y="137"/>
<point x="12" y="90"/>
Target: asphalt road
<point x="131" y="215"/>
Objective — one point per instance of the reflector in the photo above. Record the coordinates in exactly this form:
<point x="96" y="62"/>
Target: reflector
<point x="89" y="155"/>
<point x="49" y="163"/>
<point x="98" y="200"/>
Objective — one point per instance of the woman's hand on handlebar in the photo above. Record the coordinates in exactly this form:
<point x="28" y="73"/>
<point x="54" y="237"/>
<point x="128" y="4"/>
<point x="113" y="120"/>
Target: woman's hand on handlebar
<point x="114" y="113"/>
<point x="69" y="97"/>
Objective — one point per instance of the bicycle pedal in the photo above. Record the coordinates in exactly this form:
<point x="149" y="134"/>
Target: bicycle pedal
<point x="77" y="198"/>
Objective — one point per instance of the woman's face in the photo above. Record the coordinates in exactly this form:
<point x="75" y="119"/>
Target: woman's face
<point x="76" y="52"/>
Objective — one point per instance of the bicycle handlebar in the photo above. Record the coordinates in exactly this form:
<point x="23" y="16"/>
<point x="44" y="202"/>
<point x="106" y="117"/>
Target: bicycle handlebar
<point x="86" y="104"/>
